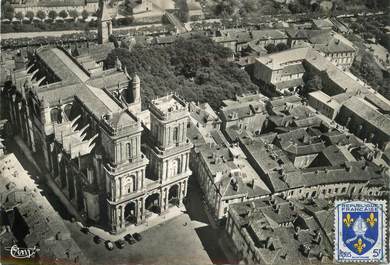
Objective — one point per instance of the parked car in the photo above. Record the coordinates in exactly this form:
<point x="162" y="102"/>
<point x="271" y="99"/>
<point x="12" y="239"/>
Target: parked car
<point x="129" y="238"/>
<point x="120" y="243"/>
<point x="85" y="230"/>
<point x="137" y="236"/>
<point x="97" y="239"/>
<point x="109" y="245"/>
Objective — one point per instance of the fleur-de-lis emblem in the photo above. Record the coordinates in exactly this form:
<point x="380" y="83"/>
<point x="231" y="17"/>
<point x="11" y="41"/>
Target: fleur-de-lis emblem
<point x="359" y="245"/>
<point x="371" y="220"/>
<point x="348" y="220"/>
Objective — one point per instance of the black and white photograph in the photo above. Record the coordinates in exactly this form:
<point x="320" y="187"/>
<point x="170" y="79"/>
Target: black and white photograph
<point x="194" y="132"/>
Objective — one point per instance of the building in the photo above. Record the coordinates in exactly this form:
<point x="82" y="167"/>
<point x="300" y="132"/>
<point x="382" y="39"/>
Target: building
<point x="143" y="6"/>
<point x="246" y="113"/>
<point x="278" y="231"/>
<point x="46" y="6"/>
<point x="28" y="218"/>
<point x="324" y="104"/>
<point x="194" y="9"/>
<point x="334" y="46"/>
<point x="225" y="177"/>
<point x="240" y="40"/>
<point x="328" y="43"/>
<point x="365" y="121"/>
<point x="104" y="23"/>
<point x="322" y="24"/>
<point x="87" y="128"/>
<point x="282" y="71"/>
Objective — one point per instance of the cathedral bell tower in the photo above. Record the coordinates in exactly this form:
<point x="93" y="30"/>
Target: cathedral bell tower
<point x="104" y="23"/>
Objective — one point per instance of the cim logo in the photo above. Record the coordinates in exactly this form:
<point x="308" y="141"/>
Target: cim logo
<point x="22" y="253"/>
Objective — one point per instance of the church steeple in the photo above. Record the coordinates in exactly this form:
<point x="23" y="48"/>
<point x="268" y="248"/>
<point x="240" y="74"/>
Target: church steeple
<point x="104" y="23"/>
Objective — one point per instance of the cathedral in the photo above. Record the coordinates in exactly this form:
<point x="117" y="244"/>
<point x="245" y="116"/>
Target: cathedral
<point x="116" y="163"/>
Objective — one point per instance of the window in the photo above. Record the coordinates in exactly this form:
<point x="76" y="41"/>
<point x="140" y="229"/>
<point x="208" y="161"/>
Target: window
<point x="128" y="147"/>
<point x="343" y="189"/>
<point x="175" y="134"/>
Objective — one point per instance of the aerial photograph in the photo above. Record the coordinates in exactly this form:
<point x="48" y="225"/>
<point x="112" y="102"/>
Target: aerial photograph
<point x="194" y="132"/>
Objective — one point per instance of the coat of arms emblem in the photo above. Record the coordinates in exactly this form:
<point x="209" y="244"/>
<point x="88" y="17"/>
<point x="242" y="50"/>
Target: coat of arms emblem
<point x="360" y="231"/>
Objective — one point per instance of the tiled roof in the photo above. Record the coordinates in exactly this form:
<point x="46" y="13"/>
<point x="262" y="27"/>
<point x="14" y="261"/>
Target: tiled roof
<point x="362" y="109"/>
<point x="242" y="110"/>
<point x="378" y="101"/>
<point x="293" y="69"/>
<point x="45" y="226"/>
<point x="97" y="52"/>
<point x="334" y="155"/>
<point x="323" y="23"/>
<point x="62" y="65"/>
<point x="289" y="83"/>
<point x="97" y="101"/>
<point x="351" y="172"/>
<point x="268" y="34"/>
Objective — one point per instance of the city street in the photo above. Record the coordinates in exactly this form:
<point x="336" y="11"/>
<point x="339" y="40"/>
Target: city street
<point x="18" y="35"/>
<point x="208" y="232"/>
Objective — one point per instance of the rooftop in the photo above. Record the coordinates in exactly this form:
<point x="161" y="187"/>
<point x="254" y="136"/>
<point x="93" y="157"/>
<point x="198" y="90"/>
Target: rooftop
<point x="169" y="103"/>
<point x="18" y="191"/>
<point x="367" y="112"/>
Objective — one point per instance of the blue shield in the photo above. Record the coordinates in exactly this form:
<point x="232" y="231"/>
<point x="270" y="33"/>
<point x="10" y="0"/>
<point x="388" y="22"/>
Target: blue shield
<point x="360" y="231"/>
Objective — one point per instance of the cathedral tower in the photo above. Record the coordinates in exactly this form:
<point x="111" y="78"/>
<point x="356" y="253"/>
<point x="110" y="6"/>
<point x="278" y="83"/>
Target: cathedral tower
<point x="104" y="23"/>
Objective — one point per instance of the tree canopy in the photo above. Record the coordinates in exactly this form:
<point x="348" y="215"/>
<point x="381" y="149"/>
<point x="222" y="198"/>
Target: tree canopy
<point x="7" y="11"/>
<point x="30" y="15"/>
<point x="85" y="14"/>
<point x="195" y="68"/>
<point x="41" y="14"/>
<point x="63" y="14"/>
<point x="52" y="14"/>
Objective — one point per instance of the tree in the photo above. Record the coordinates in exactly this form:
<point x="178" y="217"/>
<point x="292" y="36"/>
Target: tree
<point x="41" y="14"/>
<point x="74" y="14"/>
<point x="7" y="11"/>
<point x="129" y="5"/>
<point x="281" y="46"/>
<point x="227" y="7"/>
<point x="52" y="14"/>
<point x="85" y="14"/>
<point x="271" y="48"/>
<point x="313" y="82"/>
<point x="368" y="69"/>
<point x="19" y="15"/>
<point x="296" y="8"/>
<point x="196" y="68"/>
<point x="30" y="15"/>
<point x="63" y="14"/>
<point x="126" y="21"/>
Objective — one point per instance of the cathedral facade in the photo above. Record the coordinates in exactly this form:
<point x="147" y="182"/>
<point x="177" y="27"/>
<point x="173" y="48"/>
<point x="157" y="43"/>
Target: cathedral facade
<point x="117" y="164"/>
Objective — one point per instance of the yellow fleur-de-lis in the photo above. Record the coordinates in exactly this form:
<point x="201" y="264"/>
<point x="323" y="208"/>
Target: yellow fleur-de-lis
<point x="359" y="245"/>
<point x="371" y="220"/>
<point x="348" y="220"/>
